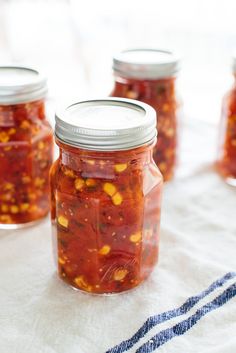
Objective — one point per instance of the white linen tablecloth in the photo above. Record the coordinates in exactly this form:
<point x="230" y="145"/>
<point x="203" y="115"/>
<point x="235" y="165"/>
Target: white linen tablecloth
<point x="39" y="314"/>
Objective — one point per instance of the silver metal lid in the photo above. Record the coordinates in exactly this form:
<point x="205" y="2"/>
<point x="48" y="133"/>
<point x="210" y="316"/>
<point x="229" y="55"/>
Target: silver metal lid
<point x="146" y="63"/>
<point x="21" y="85"/>
<point x="110" y="124"/>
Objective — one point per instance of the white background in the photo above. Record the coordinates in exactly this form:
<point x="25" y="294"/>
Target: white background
<point x="73" y="42"/>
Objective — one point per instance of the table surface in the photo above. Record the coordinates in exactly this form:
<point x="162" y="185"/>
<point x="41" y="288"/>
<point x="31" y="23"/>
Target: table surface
<point x="39" y="314"/>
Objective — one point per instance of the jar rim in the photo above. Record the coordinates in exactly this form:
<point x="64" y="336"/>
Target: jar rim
<point x="21" y="84"/>
<point x="146" y="63"/>
<point x="107" y="124"/>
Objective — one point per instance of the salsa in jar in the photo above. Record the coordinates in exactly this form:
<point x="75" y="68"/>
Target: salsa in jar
<point x="149" y="75"/>
<point x="26" y="147"/>
<point x="226" y="163"/>
<point x="105" y="195"/>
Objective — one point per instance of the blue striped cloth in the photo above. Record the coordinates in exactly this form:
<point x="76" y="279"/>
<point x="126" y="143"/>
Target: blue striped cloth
<point x="183" y="326"/>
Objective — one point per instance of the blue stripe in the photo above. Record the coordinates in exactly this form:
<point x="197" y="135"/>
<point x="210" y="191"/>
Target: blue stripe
<point x="179" y="329"/>
<point x="158" y="319"/>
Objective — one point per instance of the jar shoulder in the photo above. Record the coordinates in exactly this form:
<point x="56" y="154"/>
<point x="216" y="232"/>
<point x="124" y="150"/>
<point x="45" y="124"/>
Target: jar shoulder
<point x="90" y="180"/>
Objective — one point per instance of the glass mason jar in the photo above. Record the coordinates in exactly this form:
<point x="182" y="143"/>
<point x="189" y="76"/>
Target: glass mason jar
<point x="106" y="195"/>
<point x="226" y="162"/>
<point x="26" y="147"/>
<point x="149" y="75"/>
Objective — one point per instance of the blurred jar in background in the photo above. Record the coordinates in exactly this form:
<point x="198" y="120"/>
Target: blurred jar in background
<point x="149" y="75"/>
<point x="26" y="147"/>
<point x="226" y="162"/>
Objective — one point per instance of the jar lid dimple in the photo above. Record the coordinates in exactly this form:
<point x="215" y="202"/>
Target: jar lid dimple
<point x="109" y="124"/>
<point x="20" y="84"/>
<point x="146" y="63"/>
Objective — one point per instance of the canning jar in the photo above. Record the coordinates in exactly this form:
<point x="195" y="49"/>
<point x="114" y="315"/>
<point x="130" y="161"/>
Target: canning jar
<point x="149" y="75"/>
<point x="226" y="162"/>
<point x="26" y="146"/>
<point x="106" y="195"/>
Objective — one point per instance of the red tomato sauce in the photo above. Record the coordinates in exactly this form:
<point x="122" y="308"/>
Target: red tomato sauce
<point x="105" y="216"/>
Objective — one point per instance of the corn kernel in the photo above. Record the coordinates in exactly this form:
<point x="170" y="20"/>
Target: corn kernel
<point x="63" y="221"/>
<point x="70" y="173"/>
<point x="170" y="132"/>
<point x="90" y="182"/>
<point x="117" y="199"/>
<point x="12" y="131"/>
<point x="33" y="208"/>
<point x="25" y="179"/>
<point x="120" y="274"/>
<point x="24" y="207"/>
<point x="14" y="209"/>
<point x="109" y="189"/>
<point x="82" y="283"/>
<point x="61" y="261"/>
<point x="79" y="183"/>
<point x="90" y="161"/>
<point x="5" y="218"/>
<point x="32" y="196"/>
<point x="39" y="182"/>
<point x="165" y="107"/>
<point x="41" y="145"/>
<point x="8" y="186"/>
<point x="4" y="208"/>
<point x="79" y="281"/>
<point x="34" y="129"/>
<point x="25" y="124"/>
<point x="4" y="137"/>
<point x="105" y="250"/>
<point x="120" y="167"/>
<point x="131" y="94"/>
<point x="162" y="166"/>
<point x="136" y="237"/>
